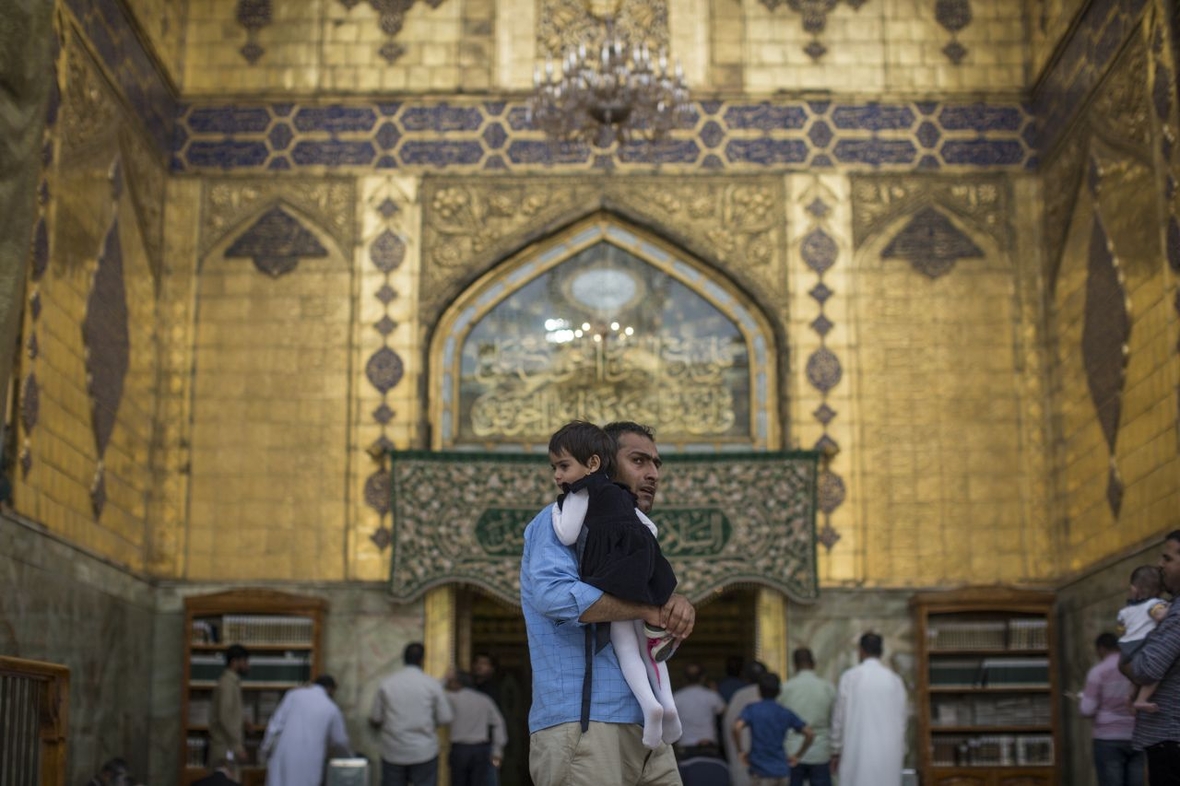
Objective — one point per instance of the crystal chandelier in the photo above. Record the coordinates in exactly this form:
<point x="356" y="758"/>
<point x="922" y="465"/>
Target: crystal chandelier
<point x="619" y="94"/>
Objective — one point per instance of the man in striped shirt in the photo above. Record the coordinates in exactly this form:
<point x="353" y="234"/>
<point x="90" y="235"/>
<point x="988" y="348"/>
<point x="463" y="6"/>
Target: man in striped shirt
<point x="1158" y="733"/>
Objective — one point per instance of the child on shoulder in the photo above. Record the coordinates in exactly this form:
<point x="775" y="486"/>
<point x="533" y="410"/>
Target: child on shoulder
<point x="617" y="553"/>
<point x="1139" y="617"/>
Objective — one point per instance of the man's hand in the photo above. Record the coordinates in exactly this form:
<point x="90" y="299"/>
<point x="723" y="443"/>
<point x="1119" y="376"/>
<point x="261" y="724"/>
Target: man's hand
<point x="835" y="763"/>
<point x="744" y="757"/>
<point x="793" y="761"/>
<point x="496" y="762"/>
<point x="678" y="616"/>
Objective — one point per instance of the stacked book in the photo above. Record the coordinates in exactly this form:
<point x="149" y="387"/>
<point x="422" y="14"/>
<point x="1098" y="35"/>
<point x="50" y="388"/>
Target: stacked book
<point x="250" y="629"/>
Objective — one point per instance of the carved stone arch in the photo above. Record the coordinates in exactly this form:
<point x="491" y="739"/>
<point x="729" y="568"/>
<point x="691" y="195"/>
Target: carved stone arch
<point x="761" y="348"/>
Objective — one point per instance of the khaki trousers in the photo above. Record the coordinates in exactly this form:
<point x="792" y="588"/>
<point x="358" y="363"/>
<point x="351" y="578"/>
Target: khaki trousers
<point x="608" y="754"/>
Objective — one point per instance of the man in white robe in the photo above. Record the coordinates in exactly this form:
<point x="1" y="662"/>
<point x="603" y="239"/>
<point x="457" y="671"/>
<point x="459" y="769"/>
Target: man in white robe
<point x="869" y="721"/>
<point x="306" y="727"/>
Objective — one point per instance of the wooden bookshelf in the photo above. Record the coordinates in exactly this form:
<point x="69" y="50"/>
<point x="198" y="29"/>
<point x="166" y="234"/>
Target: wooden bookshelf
<point x="284" y="635"/>
<point x="987" y="685"/>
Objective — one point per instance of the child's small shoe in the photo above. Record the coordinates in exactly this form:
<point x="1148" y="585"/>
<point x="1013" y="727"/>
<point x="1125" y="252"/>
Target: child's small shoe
<point x="660" y="645"/>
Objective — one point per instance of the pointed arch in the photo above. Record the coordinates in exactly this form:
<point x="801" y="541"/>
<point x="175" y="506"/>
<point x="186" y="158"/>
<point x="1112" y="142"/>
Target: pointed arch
<point x="639" y="330"/>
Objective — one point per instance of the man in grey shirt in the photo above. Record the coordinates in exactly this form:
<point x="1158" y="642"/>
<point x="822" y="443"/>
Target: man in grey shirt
<point x="408" y="708"/>
<point x="478" y="732"/>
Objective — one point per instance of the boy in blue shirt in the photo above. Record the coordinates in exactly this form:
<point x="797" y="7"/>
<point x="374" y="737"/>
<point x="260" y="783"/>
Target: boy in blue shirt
<point x="768" y="722"/>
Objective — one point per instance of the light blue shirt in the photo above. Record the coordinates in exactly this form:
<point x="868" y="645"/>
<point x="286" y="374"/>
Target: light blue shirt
<point x="553" y="599"/>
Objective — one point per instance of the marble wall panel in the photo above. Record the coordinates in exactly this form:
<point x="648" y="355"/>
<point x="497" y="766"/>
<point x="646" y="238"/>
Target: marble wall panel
<point x="63" y="605"/>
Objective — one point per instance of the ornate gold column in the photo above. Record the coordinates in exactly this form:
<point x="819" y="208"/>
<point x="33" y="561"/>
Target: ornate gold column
<point x="438" y="637"/>
<point x="770" y="634"/>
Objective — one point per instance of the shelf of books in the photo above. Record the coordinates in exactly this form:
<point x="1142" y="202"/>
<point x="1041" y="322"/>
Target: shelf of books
<point x="283" y="634"/>
<point x="987" y="687"/>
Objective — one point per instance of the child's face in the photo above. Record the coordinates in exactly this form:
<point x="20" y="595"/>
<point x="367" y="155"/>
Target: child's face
<point x="567" y="469"/>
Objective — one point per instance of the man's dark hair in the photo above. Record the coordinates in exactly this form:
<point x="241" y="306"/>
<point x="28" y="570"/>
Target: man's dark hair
<point x="734" y="665"/>
<point x="769" y="685"/>
<point x="236" y="652"/>
<point x="754" y="670"/>
<point x="872" y="645"/>
<point x="803" y="659"/>
<point x="1107" y="641"/>
<point x="620" y="427"/>
<point x="326" y="681"/>
<point x="1173" y="535"/>
<point x="693" y="674"/>
<point x="1148" y="580"/>
<point x="115" y="766"/>
<point x="414" y="654"/>
<point x="582" y="439"/>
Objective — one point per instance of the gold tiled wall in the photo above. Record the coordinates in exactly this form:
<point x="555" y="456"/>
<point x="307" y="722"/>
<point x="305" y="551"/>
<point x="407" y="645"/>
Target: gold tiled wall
<point x="271" y="390"/>
<point x="940" y="444"/>
<point x="387" y="204"/>
<point x="1107" y="164"/>
<point x="163" y="25"/>
<point x="890" y="46"/>
<point x="100" y="165"/>
<point x="1048" y="23"/>
<point x="885" y="46"/>
<point x="322" y="46"/>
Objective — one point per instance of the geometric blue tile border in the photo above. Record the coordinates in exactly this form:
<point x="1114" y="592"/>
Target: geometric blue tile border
<point x="731" y="136"/>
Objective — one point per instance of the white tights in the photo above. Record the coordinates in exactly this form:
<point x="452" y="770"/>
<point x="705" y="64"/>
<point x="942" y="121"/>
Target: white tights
<point x="648" y="681"/>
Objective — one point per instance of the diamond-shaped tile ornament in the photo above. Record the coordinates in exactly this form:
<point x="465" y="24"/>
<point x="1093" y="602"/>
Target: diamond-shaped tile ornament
<point x="381" y="538"/>
<point x="815" y="50"/>
<point x="824" y="414"/>
<point x="380" y="446"/>
<point x="388" y="209"/>
<point x="818" y="208"/>
<point x="383" y="414"/>
<point x="390" y="51"/>
<point x="828" y="536"/>
<point x="26" y="461"/>
<point x="820" y="134"/>
<point x="955" y="52"/>
<point x="386" y="294"/>
<point x="822" y="325"/>
<point x="388" y="136"/>
<point x="820" y="292"/>
<point x="251" y="51"/>
<point x="385" y="325"/>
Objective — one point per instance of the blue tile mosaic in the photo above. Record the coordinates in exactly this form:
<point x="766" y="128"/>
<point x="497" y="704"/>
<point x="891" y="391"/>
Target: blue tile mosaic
<point x="388" y="136"/>
<point x="333" y="153"/>
<point x="228" y="154"/>
<point x="873" y="117"/>
<point x="875" y="151"/>
<point x="335" y="119"/>
<point x="441" y="118"/>
<point x="710" y="107"/>
<point x="540" y="152"/>
<point x="441" y="154"/>
<point x="495" y="136"/>
<point x="282" y="110"/>
<point x="785" y="136"/>
<point x="767" y="151"/>
<point x="280" y="136"/>
<point x="279" y="164"/>
<point x="820" y="133"/>
<point x="765" y="117"/>
<point x="981" y="117"/>
<point x="669" y="151"/>
<point x="495" y="108"/>
<point x="982" y="152"/>
<point x="928" y="134"/>
<point x="712" y="134"/>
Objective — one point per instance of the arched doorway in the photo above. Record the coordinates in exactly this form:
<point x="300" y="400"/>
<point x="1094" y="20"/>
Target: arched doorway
<point x="727" y="625"/>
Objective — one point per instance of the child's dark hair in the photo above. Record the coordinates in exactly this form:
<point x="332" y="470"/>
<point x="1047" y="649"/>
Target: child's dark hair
<point x="1148" y="580"/>
<point x="582" y="440"/>
<point x="769" y="685"/>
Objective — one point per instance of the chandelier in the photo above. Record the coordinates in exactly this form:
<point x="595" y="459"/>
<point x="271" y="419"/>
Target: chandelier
<point x="620" y="93"/>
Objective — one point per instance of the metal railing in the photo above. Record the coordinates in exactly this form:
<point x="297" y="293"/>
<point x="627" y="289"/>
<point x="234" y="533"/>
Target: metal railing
<point x="34" y="702"/>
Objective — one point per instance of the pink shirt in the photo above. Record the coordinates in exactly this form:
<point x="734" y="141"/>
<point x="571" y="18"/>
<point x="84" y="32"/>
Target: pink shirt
<point x="1106" y="699"/>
